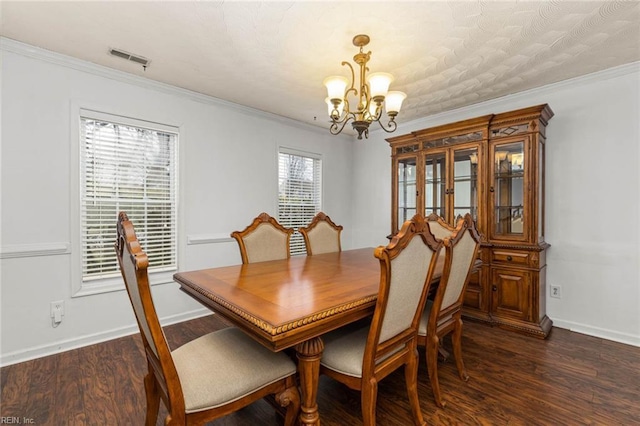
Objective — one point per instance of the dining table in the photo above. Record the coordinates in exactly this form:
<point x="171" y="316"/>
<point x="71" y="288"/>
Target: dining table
<point x="291" y="303"/>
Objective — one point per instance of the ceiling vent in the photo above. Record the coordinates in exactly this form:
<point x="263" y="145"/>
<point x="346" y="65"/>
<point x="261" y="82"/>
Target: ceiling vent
<point x="130" y="57"/>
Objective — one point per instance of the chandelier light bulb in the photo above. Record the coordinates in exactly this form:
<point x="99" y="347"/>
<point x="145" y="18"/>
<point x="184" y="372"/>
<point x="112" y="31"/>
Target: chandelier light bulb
<point x="393" y="102"/>
<point x="379" y="84"/>
<point x="332" y="111"/>
<point x="336" y="86"/>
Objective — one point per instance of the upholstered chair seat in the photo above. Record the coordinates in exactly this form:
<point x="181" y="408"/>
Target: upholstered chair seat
<point x="344" y="349"/>
<point x="224" y="366"/>
<point x="424" y="320"/>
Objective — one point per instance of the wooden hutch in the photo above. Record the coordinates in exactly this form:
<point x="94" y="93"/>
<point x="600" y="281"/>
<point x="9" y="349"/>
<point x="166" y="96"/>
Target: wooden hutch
<point x="492" y="167"/>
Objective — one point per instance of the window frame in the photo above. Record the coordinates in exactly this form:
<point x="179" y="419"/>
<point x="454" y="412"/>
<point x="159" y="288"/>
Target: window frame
<point x="320" y="192"/>
<point x="80" y="287"/>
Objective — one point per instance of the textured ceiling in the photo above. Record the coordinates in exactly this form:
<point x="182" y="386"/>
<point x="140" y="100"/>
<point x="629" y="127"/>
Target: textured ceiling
<point x="273" y="56"/>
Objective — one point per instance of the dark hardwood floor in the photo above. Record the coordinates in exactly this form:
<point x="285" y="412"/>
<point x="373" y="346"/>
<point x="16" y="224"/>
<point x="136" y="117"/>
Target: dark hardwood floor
<point x="568" y="379"/>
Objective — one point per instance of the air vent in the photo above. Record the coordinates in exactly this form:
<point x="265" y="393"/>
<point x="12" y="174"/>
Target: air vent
<point x="129" y="56"/>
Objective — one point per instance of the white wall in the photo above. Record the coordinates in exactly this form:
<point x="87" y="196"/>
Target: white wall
<point x="593" y="191"/>
<point x="592" y="199"/>
<point x="228" y="175"/>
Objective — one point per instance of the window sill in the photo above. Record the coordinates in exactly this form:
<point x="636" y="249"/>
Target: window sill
<point x="108" y="285"/>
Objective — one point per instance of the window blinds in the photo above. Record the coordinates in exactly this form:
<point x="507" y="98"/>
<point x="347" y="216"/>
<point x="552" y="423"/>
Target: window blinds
<point x="132" y="169"/>
<point x="299" y="193"/>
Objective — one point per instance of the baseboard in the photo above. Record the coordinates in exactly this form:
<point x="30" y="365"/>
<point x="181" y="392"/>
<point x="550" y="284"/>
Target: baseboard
<point x="92" y="339"/>
<point x="628" y="339"/>
<point x="78" y="342"/>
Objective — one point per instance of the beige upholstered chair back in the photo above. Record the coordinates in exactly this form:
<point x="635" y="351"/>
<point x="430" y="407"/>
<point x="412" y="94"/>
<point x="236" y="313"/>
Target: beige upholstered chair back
<point x="438" y="227"/>
<point x="407" y="282"/>
<point x="265" y="239"/>
<point x="407" y="266"/>
<point x="266" y="243"/>
<point x="324" y="239"/>
<point x="439" y="231"/>
<point x="463" y="244"/>
<point x="321" y="235"/>
<point x="463" y="256"/>
<point x="133" y="266"/>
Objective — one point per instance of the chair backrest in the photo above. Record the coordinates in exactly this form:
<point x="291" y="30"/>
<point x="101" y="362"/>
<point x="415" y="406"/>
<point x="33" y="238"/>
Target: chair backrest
<point x="264" y="239"/>
<point x="406" y="270"/>
<point x="439" y="227"/>
<point x="321" y="235"/>
<point x="460" y="254"/>
<point x="133" y="266"/>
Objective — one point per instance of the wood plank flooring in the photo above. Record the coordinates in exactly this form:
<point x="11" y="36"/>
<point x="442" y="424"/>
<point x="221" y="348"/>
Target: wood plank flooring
<point x="568" y="379"/>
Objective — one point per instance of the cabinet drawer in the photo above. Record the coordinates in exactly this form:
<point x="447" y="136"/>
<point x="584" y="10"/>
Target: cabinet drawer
<point x="510" y="257"/>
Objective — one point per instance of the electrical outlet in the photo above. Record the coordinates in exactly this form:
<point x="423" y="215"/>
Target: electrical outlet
<point x="555" y="291"/>
<point x="57" y="311"/>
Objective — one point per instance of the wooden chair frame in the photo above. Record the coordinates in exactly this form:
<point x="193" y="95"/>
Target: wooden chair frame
<point x="262" y="219"/>
<point x="162" y="381"/>
<point x="442" y="322"/>
<point x="320" y="217"/>
<point x="382" y="358"/>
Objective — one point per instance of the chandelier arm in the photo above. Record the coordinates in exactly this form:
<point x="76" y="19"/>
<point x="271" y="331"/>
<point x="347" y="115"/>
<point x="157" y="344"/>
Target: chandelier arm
<point x="378" y="114"/>
<point x="362" y="104"/>
<point x="334" y="125"/>
<point x="353" y="78"/>
<point x="392" y="126"/>
<point x="345" y="113"/>
<point x="366" y="90"/>
<point x="347" y="108"/>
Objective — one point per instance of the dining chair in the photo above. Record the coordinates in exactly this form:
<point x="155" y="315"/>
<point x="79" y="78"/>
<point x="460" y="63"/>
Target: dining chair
<point x="321" y="235"/>
<point x="443" y="314"/>
<point x="208" y="377"/>
<point x="361" y="355"/>
<point x="264" y="239"/>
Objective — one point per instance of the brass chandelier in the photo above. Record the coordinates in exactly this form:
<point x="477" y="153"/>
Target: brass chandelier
<point x="371" y="95"/>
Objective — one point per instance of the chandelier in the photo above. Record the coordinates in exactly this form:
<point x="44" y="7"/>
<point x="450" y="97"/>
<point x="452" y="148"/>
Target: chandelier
<point x="371" y="95"/>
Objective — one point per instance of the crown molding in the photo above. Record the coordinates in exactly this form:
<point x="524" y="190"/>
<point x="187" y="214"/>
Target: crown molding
<point x="13" y="46"/>
<point x="10" y="45"/>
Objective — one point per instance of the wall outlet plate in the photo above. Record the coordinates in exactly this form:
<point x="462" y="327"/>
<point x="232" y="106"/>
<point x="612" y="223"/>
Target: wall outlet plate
<point x="57" y="309"/>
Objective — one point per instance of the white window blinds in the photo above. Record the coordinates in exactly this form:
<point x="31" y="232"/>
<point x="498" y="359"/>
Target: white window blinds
<point x="299" y="193"/>
<point x="128" y="167"/>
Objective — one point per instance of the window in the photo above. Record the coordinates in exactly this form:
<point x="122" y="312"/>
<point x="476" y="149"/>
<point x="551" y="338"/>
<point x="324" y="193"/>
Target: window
<point x="299" y="192"/>
<point x="131" y="166"/>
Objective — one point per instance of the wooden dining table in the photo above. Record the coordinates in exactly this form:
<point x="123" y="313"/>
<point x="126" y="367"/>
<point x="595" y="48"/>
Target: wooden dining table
<point x="291" y="303"/>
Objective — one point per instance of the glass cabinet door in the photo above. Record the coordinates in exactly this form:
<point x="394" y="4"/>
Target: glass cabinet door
<point x="465" y="182"/>
<point x="407" y="195"/>
<point x="508" y="189"/>
<point x="435" y="179"/>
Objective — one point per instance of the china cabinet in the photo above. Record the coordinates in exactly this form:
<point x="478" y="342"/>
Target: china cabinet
<point x="493" y="168"/>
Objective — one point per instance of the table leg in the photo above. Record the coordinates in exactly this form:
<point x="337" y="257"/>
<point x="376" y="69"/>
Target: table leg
<point x="309" y="354"/>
